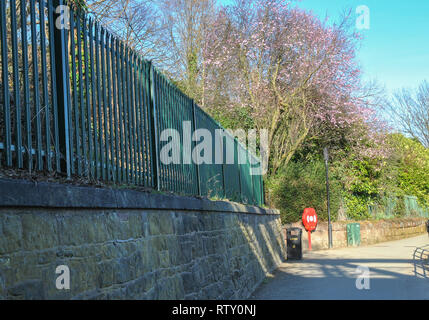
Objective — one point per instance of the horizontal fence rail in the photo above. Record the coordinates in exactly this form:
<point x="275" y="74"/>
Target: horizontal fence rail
<point x="77" y="101"/>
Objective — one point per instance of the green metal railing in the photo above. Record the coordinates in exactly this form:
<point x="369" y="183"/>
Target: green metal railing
<point x="407" y="206"/>
<point x="76" y="100"/>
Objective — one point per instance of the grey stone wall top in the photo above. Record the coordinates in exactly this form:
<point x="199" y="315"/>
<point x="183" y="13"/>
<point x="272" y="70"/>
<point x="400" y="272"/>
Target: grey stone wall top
<point x="23" y="193"/>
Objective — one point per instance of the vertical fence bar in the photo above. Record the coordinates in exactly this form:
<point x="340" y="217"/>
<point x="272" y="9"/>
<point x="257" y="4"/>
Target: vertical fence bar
<point x="154" y="127"/>
<point x="98" y="152"/>
<point x="96" y="104"/>
<point x="171" y="124"/>
<point x="104" y="118"/>
<point x="174" y="120"/>
<point x="5" y="80"/>
<point x="148" y="112"/>
<point x="26" y="86"/>
<point x="122" y="117"/>
<point x="165" y="115"/>
<point x="184" y="111"/>
<point x="94" y="79"/>
<point x="142" y="127"/>
<point x="137" y="151"/>
<point x="170" y="112"/>
<point x="52" y="59"/>
<point x="159" y="121"/>
<point x="131" y="117"/>
<point x="238" y="168"/>
<point x="16" y="88"/>
<point x="123" y="121"/>
<point x="140" y="117"/>
<point x="87" y="95"/>
<point x="125" y="111"/>
<point x="164" y="122"/>
<point x="36" y="91"/>
<point x="111" y="171"/>
<point x="119" y="56"/>
<point x="137" y="122"/>
<point x="147" y="133"/>
<point x="45" y="95"/>
<point x="75" y="94"/>
<point x="82" y="105"/>
<point x="116" y="127"/>
<point x="180" y="118"/>
<point x="68" y="32"/>
<point x="61" y="67"/>
<point x="223" y="162"/>
<point x="239" y="165"/>
<point x="194" y="122"/>
<point x="186" y="176"/>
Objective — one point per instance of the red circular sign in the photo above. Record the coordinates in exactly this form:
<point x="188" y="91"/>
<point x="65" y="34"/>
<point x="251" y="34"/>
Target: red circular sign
<point x="309" y="219"/>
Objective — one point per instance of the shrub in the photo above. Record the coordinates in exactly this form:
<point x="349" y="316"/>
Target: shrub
<point x="412" y="161"/>
<point x="303" y="185"/>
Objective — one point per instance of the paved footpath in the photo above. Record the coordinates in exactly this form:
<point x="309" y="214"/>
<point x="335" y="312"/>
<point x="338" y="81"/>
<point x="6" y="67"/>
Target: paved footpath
<point x="398" y="270"/>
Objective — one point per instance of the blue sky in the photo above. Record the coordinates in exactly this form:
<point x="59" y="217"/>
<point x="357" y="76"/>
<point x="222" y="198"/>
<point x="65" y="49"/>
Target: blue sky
<point x="395" y="50"/>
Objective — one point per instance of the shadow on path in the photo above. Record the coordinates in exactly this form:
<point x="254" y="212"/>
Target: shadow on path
<point x="421" y="262"/>
<point x="396" y="273"/>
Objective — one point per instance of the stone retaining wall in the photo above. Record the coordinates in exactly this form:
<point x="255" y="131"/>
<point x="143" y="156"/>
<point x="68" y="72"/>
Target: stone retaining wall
<point x="372" y="232"/>
<point x="121" y="244"/>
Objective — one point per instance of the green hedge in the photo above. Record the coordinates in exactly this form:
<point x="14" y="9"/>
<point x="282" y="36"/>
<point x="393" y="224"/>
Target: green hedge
<point x="303" y="185"/>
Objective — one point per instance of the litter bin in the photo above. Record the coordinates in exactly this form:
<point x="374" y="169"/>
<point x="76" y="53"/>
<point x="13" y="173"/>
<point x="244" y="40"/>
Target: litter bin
<point x="427" y="226"/>
<point x="294" y="243"/>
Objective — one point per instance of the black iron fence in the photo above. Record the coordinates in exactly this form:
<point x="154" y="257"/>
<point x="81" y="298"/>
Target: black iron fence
<point x="74" y="99"/>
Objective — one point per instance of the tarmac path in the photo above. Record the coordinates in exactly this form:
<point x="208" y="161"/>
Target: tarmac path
<point x="398" y="270"/>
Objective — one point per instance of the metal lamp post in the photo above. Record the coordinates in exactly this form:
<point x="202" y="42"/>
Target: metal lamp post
<point x="326" y="156"/>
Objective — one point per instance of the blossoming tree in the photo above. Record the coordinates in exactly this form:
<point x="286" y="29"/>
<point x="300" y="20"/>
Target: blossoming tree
<point x="293" y="71"/>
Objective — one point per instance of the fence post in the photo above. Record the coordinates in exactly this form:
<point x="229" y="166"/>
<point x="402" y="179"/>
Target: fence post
<point x="154" y="125"/>
<point x="194" y="121"/>
<point x="236" y="145"/>
<point x="61" y="67"/>
<point x="5" y="87"/>
<point x="223" y="162"/>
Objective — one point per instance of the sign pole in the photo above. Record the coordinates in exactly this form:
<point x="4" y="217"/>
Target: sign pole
<point x="326" y="156"/>
<point x="309" y="240"/>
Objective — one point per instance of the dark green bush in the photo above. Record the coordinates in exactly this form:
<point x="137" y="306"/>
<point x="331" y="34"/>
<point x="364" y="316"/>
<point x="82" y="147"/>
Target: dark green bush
<point x="303" y="185"/>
